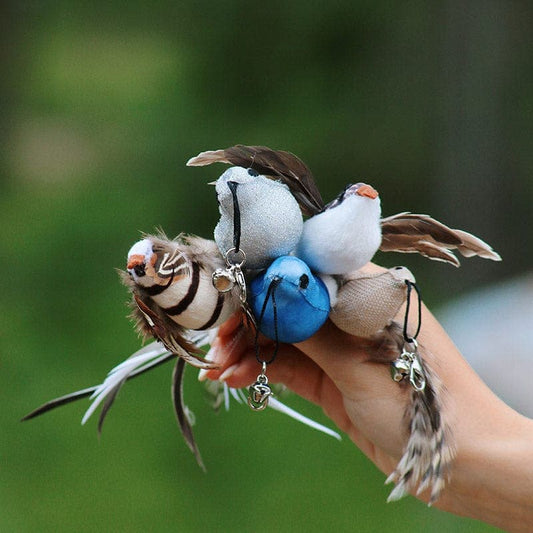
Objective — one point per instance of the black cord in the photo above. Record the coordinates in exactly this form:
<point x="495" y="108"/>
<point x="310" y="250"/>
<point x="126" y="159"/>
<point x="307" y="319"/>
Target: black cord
<point x="236" y="216"/>
<point x="410" y="286"/>
<point x="271" y="293"/>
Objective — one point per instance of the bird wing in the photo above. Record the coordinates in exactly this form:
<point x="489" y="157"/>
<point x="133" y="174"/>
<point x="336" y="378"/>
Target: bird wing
<point x="151" y="320"/>
<point x="275" y="164"/>
<point x="410" y="233"/>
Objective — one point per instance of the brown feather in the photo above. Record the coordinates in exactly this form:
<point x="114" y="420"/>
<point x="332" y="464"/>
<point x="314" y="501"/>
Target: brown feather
<point x="408" y="232"/>
<point x="180" y="410"/>
<point x="151" y="321"/>
<point x="415" y="244"/>
<point x="276" y="164"/>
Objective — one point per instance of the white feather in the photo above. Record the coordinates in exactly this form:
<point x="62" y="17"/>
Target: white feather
<point x="122" y="371"/>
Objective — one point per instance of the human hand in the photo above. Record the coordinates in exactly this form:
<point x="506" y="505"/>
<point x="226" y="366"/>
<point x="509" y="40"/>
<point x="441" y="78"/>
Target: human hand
<point x="333" y="370"/>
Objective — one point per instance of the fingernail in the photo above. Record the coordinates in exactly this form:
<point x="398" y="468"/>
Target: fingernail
<point x="228" y="372"/>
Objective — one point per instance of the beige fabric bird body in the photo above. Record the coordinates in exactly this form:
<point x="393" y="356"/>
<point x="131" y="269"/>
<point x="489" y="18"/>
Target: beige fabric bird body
<point x="366" y="304"/>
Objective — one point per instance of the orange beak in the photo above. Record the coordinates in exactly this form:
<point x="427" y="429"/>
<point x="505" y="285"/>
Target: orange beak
<point x="135" y="260"/>
<point x="368" y="191"/>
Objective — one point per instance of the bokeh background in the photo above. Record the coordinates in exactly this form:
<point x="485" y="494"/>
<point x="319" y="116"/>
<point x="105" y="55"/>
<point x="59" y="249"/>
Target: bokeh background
<point x="102" y="103"/>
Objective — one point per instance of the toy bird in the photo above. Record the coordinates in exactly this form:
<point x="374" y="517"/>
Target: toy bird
<point x="289" y="303"/>
<point x="404" y="232"/>
<point x="258" y="216"/>
<point x="365" y="304"/>
<point x="345" y="235"/>
<point x="172" y="289"/>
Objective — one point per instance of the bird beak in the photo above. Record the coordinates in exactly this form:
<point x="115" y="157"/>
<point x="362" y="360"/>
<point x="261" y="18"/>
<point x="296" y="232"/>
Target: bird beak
<point x="134" y="261"/>
<point x="212" y="183"/>
<point x="367" y="191"/>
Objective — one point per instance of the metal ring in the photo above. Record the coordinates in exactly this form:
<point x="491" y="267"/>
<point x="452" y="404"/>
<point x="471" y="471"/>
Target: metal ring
<point x="236" y="252"/>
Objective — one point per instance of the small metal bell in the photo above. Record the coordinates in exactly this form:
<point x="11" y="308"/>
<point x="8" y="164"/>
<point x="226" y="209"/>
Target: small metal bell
<point x="400" y="369"/>
<point x="223" y="279"/>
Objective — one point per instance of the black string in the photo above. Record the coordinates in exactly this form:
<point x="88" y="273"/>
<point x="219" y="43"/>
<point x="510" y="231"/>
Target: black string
<point x="410" y="286"/>
<point x="236" y="216"/>
<point x="271" y="291"/>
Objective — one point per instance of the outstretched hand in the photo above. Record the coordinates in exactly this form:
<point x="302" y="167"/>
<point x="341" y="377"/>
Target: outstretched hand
<point x="332" y="369"/>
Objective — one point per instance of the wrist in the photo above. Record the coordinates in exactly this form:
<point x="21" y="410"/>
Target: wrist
<point x="492" y="476"/>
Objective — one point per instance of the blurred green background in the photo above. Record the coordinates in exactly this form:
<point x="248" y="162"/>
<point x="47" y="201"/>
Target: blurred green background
<point x="102" y="105"/>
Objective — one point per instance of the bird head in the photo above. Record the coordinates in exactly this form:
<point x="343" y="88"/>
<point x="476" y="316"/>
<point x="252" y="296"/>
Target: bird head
<point x="290" y="273"/>
<point x="236" y="175"/>
<point x="150" y="264"/>
<point x="290" y="303"/>
<point x="361" y="192"/>
<point x="141" y="261"/>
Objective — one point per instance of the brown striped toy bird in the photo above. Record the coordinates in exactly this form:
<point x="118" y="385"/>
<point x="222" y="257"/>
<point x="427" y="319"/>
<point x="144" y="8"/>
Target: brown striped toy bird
<point x="172" y="291"/>
<point x="337" y="240"/>
<point x="174" y="301"/>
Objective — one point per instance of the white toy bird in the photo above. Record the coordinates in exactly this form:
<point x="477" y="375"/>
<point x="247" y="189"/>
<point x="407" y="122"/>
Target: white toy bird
<point x="345" y="235"/>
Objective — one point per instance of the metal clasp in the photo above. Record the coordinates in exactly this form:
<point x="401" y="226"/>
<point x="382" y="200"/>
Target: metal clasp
<point x="259" y="392"/>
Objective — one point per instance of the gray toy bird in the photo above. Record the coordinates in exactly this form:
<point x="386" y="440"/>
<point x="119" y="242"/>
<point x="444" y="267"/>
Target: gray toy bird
<point x="258" y="216"/>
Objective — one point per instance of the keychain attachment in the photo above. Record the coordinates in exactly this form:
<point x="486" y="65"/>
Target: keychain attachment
<point x="224" y="279"/>
<point x="259" y="392"/>
<point x="408" y="365"/>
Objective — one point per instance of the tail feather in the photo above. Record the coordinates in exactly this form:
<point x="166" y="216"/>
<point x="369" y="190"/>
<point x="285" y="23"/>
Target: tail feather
<point x="429" y="451"/>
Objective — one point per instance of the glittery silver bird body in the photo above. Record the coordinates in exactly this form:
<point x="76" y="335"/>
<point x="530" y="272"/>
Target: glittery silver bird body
<point x="269" y="220"/>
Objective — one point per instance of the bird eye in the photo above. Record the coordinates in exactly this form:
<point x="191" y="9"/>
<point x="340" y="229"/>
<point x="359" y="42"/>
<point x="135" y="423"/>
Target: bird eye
<point x="304" y="281"/>
<point x="252" y="172"/>
<point x="139" y="270"/>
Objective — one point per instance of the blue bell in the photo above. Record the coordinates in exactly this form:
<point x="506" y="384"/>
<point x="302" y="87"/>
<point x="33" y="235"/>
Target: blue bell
<point x="289" y="303"/>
